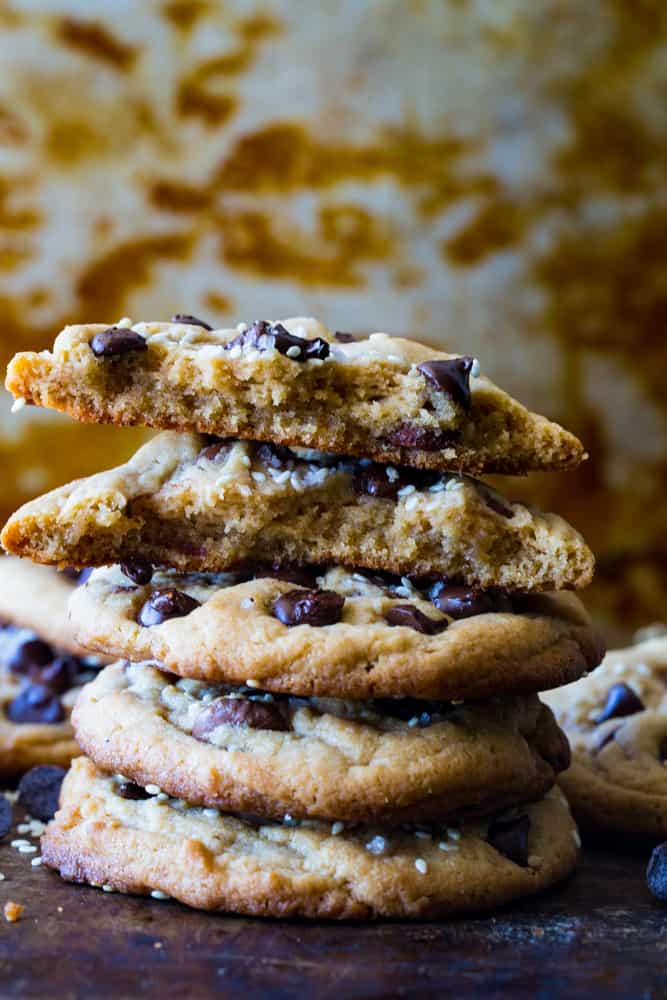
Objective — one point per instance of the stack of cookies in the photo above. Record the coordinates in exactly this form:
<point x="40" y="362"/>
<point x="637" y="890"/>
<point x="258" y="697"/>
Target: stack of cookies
<point x="330" y="638"/>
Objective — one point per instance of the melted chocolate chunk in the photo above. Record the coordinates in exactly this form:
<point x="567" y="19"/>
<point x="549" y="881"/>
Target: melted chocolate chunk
<point x="39" y="791"/>
<point x="451" y="378"/>
<point x="406" y="709"/>
<point x="385" y="482"/>
<point x="277" y="336"/>
<point x="411" y="617"/>
<point x="165" y="604"/>
<point x="30" y="657"/>
<point x="35" y="703"/>
<point x="510" y="838"/>
<point x="5" y="817"/>
<point x="130" y="790"/>
<point x="494" y="500"/>
<point x="557" y="751"/>
<point x="345" y="338"/>
<point x="309" y="607"/>
<point x="116" y="341"/>
<point x="188" y="320"/>
<point x="241" y="712"/>
<point x="621" y="701"/>
<point x="421" y="438"/>
<point x="463" y="602"/>
<point x="140" y="573"/>
<point x="656" y="873"/>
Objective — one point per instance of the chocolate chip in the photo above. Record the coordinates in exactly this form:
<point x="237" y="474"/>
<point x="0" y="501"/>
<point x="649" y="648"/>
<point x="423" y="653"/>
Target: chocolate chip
<point x="510" y="838"/>
<point x="494" y="500"/>
<point x="556" y="750"/>
<point x="421" y="438"/>
<point x="345" y="338"/>
<point x="165" y="604"/>
<point x="273" y="455"/>
<point x="450" y="377"/>
<point x="621" y="701"/>
<point x="35" y="703"/>
<point x="656" y="873"/>
<point x="61" y="674"/>
<point x="129" y="790"/>
<point x="411" y="617"/>
<point x="461" y="602"/>
<point x="188" y="320"/>
<point x="241" y="712"/>
<point x="309" y="607"/>
<point x="139" y="572"/>
<point x="5" y="816"/>
<point x="39" y="791"/>
<point x="115" y="341"/>
<point x="30" y="656"/>
<point x="211" y="451"/>
<point x="262" y="335"/>
<point x="406" y="709"/>
<point x="372" y="480"/>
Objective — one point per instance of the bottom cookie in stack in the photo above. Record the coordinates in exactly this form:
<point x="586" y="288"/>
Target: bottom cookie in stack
<point x="119" y="836"/>
<point x="402" y="783"/>
<point x="42" y="668"/>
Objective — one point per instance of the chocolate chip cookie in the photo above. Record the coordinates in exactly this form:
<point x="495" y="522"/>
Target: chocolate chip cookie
<point x="386" y="760"/>
<point x="616" y="721"/>
<point x="123" y="837"/>
<point x="196" y="505"/>
<point x="339" y="634"/>
<point x="294" y="383"/>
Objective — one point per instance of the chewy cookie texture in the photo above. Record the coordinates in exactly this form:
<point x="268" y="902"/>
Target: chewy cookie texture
<point x="186" y="502"/>
<point x="616" y="721"/>
<point x="294" y="383"/>
<point x="337" y="634"/>
<point x="329" y="635"/>
<point x="384" y="760"/>
<point x="156" y="845"/>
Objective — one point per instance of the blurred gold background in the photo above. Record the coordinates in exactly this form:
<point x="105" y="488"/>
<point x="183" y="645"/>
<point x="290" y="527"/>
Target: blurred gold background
<point x="488" y="176"/>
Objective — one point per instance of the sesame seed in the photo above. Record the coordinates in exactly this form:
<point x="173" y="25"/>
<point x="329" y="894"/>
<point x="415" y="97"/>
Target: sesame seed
<point x="414" y="721"/>
<point x="534" y="860"/>
<point x="27" y="849"/>
<point x="476" y="368"/>
<point x="108" y="888"/>
<point x="158" y="894"/>
<point x="252" y="683"/>
<point x="422" y="835"/>
<point x="447" y="847"/>
<point x="577" y="838"/>
<point x="377" y="845"/>
<point x="2" y="877"/>
<point x="211" y="813"/>
<point x="244" y="460"/>
<point x="405" y="491"/>
<point x="293" y="352"/>
<point x="395" y="358"/>
<point x="23" y="828"/>
<point x="421" y="866"/>
<point x="453" y="834"/>
<point x="244" y="490"/>
<point x="162" y="797"/>
<point x="242" y="327"/>
<point x="259" y="477"/>
<point x="20" y="843"/>
<point x="247" y="602"/>
<point x="392" y="473"/>
<point x="36" y="862"/>
<point x="411" y="502"/>
<point x="337" y="828"/>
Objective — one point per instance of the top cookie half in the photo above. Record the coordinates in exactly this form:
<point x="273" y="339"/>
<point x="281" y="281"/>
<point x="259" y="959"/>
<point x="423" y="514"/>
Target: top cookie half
<point x="294" y="383"/>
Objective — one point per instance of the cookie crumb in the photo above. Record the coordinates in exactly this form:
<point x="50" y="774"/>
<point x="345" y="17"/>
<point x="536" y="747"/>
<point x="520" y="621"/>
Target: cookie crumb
<point x="13" y="911"/>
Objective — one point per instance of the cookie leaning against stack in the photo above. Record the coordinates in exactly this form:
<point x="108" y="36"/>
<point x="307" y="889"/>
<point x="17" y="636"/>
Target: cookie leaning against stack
<point x="326" y="698"/>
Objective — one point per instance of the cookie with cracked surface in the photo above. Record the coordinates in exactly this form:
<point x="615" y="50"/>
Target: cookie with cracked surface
<point x="388" y="761"/>
<point x="231" y="863"/>
<point x="38" y="687"/>
<point x="616" y="721"/>
<point x="294" y="383"/>
<point x="185" y="502"/>
<point x="340" y="634"/>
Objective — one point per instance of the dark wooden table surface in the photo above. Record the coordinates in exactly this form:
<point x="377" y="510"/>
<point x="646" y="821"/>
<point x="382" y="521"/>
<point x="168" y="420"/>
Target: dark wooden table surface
<point x="598" y="935"/>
